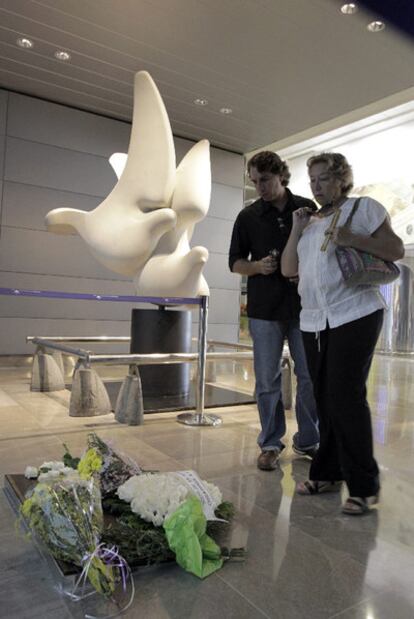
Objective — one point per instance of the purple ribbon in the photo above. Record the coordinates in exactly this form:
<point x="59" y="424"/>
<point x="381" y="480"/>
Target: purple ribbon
<point x="111" y="557"/>
<point x="58" y="294"/>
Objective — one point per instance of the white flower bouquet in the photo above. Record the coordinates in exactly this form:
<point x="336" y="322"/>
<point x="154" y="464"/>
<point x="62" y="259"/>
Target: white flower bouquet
<point x="146" y="518"/>
<point x="155" y="496"/>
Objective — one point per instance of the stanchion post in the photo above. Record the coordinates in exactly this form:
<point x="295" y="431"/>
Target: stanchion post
<point x="202" y="356"/>
<point x="199" y="418"/>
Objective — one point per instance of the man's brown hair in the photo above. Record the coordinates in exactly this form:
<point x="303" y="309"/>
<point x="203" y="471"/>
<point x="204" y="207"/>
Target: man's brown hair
<point x="268" y="161"/>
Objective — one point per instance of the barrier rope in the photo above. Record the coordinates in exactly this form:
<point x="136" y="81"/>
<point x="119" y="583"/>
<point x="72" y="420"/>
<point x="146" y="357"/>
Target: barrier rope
<point x="81" y="296"/>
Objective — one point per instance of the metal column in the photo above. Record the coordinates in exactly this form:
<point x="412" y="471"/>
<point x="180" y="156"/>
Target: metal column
<point x="199" y="418"/>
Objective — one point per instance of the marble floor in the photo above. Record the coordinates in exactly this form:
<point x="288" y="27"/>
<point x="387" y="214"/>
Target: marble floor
<point x="305" y="559"/>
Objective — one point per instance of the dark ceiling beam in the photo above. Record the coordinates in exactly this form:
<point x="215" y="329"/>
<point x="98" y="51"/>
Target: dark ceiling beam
<point x="398" y="12"/>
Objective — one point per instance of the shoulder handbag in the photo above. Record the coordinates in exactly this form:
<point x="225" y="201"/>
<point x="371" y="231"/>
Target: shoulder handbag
<point x="361" y="268"/>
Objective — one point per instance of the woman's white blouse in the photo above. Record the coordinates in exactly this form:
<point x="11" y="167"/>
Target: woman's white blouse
<point x="325" y="298"/>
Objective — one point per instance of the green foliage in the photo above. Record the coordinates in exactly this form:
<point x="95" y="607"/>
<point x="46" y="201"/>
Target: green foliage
<point x="225" y="511"/>
<point x="139" y="542"/>
<point x="68" y="459"/>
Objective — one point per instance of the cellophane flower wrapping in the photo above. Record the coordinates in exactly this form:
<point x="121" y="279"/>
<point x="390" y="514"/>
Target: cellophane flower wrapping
<point x="66" y="515"/>
<point x="116" y="468"/>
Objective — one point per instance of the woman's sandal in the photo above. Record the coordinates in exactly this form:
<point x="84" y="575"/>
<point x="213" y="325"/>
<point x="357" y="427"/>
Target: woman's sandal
<point x="310" y="487"/>
<point x="357" y="505"/>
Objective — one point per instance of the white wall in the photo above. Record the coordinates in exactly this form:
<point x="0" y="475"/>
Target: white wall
<point x="53" y="156"/>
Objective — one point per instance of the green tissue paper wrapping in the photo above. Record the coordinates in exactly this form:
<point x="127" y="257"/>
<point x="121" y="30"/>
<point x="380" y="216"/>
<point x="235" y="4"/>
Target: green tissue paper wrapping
<point x="195" y="551"/>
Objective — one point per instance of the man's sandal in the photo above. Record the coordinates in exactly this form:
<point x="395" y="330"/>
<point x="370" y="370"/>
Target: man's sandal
<point x="310" y="486"/>
<point x="357" y="505"/>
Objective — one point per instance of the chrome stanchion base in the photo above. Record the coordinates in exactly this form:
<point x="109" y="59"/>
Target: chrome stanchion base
<point x="195" y="419"/>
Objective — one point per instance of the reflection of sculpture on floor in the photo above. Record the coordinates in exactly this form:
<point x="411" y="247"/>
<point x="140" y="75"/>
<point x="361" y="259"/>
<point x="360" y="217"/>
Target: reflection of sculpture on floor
<point x="143" y="228"/>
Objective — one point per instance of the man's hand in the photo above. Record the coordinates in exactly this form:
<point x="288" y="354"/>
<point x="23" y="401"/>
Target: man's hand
<point x="266" y="266"/>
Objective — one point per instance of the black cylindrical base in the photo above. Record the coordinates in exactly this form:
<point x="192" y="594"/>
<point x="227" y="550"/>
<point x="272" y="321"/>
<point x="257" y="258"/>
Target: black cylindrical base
<point x="162" y="331"/>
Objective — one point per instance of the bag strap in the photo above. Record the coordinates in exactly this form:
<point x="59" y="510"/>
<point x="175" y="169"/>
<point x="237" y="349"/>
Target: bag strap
<point x="352" y="213"/>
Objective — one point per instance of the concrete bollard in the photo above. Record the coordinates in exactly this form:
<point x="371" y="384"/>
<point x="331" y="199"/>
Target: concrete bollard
<point x="129" y="404"/>
<point x="89" y="397"/>
<point x="69" y="365"/>
<point x="46" y="373"/>
<point x="57" y="356"/>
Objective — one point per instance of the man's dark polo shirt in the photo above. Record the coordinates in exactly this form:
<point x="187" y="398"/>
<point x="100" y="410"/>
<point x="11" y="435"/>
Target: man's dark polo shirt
<point x="258" y="229"/>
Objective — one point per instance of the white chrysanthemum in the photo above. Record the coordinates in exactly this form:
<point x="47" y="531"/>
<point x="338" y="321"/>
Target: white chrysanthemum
<point x="154" y="497"/>
<point x="64" y="472"/>
<point x="214" y="492"/>
<point x="48" y="475"/>
<point x="129" y="489"/>
<point x="31" y="472"/>
<point x="69" y="477"/>
<point x="53" y="465"/>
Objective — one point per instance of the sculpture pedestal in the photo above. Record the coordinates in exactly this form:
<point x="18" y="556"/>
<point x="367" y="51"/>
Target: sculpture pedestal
<point x="162" y="331"/>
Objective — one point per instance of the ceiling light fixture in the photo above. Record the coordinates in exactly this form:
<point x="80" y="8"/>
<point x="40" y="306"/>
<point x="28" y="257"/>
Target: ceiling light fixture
<point x="376" y="26"/>
<point x="201" y="102"/>
<point x="349" y="9"/>
<point x="226" y="110"/>
<point x="25" y="43"/>
<point x="61" y="55"/>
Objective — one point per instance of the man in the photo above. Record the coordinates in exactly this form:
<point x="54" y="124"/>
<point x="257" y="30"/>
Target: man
<point x="260" y="234"/>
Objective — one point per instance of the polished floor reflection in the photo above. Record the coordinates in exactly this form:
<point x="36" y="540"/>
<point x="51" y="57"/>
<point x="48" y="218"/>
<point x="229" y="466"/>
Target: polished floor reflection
<point x="305" y="559"/>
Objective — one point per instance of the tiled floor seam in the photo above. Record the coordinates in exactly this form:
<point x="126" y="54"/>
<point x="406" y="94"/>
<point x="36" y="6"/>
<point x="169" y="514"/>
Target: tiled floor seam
<point x="345" y="610"/>
<point x="259" y="610"/>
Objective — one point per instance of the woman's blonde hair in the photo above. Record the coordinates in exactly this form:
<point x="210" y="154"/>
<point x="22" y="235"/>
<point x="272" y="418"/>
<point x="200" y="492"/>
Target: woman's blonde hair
<point x="338" y="166"/>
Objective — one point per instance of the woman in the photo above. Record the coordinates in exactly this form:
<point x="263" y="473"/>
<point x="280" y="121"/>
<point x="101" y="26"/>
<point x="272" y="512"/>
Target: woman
<point x="340" y="327"/>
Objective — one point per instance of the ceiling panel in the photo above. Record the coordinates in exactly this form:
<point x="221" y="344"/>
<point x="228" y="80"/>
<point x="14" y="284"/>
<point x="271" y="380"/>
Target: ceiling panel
<point x="281" y="65"/>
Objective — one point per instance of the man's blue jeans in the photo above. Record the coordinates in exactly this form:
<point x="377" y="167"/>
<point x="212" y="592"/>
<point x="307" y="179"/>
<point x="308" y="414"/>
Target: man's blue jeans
<point x="268" y="338"/>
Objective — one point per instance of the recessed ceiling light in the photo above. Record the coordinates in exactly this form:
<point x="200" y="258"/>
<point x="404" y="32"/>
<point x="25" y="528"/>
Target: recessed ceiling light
<point x="25" y="43"/>
<point x="61" y="55"/>
<point x="226" y="110"/>
<point x="349" y="9"/>
<point x="376" y="26"/>
<point x="200" y="102"/>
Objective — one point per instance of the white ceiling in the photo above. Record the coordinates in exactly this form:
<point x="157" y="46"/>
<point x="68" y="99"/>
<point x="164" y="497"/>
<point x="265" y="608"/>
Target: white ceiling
<point x="283" y="66"/>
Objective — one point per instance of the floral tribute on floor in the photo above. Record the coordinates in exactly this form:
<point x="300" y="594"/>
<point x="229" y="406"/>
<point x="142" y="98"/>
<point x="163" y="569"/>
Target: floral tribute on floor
<point x="103" y="514"/>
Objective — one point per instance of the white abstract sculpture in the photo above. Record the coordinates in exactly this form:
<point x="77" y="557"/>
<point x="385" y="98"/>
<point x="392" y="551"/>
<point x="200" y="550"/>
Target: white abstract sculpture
<point x="143" y="228"/>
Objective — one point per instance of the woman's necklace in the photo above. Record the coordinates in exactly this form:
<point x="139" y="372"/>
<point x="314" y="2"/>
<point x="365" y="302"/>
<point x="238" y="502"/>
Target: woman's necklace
<point x="328" y="209"/>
